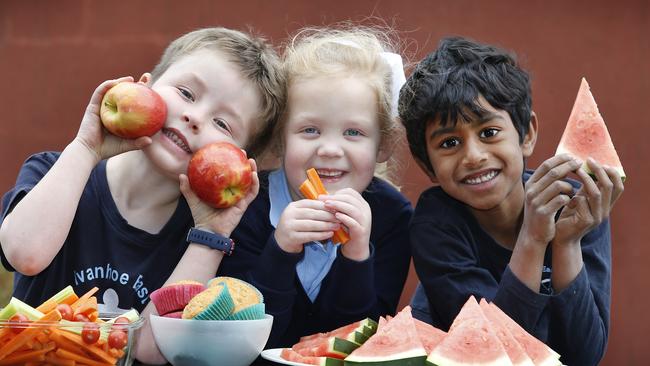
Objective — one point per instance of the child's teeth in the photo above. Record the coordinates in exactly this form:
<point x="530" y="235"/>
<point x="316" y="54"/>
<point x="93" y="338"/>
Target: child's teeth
<point x="483" y="178"/>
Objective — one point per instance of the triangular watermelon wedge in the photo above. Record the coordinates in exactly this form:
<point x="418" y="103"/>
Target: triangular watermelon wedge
<point x="396" y="342"/>
<point x="470" y="341"/>
<point x="586" y="134"/>
<point x="515" y="351"/>
<point x="430" y="336"/>
<point x="540" y="353"/>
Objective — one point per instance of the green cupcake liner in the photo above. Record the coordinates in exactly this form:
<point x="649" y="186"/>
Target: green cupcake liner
<point x="252" y="312"/>
<point x="220" y="308"/>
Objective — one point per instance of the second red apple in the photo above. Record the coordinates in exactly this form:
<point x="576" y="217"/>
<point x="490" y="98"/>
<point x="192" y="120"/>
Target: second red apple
<point x="220" y="174"/>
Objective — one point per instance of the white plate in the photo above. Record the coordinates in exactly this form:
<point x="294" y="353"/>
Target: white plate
<point x="273" y="354"/>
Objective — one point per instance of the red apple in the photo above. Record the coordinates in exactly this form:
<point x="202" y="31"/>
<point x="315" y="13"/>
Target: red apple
<point x="220" y="174"/>
<point x="131" y="110"/>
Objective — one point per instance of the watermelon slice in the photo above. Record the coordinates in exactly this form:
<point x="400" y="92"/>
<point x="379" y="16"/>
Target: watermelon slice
<point x="395" y="343"/>
<point x="334" y="347"/>
<point x="586" y="134"/>
<point x="365" y="328"/>
<point x="291" y="355"/>
<point x="470" y="341"/>
<point x="429" y="335"/>
<point x="515" y="351"/>
<point x="540" y="353"/>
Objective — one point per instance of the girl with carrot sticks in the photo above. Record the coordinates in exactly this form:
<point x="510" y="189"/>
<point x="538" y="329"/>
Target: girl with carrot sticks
<point x="325" y="260"/>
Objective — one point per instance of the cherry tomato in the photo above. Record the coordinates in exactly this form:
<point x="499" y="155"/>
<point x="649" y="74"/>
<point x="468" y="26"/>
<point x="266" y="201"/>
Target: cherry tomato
<point x="65" y="310"/>
<point x="90" y="333"/>
<point x="120" y="323"/>
<point x="18" y="318"/>
<point x="80" y="318"/>
<point x="117" y="339"/>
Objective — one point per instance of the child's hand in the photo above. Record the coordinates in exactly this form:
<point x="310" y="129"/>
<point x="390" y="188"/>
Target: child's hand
<point x="304" y="221"/>
<point x="590" y="205"/>
<point x="353" y="211"/>
<point x="92" y="133"/>
<point x="222" y="221"/>
<point x="545" y="193"/>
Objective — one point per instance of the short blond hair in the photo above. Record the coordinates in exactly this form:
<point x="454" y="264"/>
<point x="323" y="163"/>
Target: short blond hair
<point x="257" y="61"/>
<point x="345" y="51"/>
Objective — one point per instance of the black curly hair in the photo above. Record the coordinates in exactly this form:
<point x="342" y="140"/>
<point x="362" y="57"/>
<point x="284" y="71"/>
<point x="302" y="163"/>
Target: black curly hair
<point x="447" y="84"/>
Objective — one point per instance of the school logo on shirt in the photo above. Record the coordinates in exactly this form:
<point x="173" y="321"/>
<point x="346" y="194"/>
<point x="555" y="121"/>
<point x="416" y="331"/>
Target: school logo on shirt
<point x="121" y="279"/>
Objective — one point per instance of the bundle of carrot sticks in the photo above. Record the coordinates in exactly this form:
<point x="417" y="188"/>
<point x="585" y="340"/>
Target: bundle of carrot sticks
<point x="311" y="189"/>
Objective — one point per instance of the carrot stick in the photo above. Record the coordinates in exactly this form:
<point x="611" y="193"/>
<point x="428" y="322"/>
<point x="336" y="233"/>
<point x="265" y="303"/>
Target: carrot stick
<point x="53" y="359"/>
<point x="310" y="189"/>
<point x="27" y="334"/>
<point x="81" y="359"/>
<point x="84" y="297"/>
<point x="92" y="349"/>
<point x="47" y="306"/>
<point x="64" y="343"/>
<point x="26" y="356"/>
<point x="313" y="177"/>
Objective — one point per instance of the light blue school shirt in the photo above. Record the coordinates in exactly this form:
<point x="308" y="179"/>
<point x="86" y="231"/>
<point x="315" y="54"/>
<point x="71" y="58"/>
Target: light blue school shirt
<point x="318" y="258"/>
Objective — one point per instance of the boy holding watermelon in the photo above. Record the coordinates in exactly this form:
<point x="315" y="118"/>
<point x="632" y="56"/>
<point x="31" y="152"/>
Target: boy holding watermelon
<point x="534" y="242"/>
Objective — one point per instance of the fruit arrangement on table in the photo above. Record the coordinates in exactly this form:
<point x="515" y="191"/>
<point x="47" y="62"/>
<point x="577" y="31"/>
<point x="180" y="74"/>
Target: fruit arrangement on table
<point x="481" y="334"/>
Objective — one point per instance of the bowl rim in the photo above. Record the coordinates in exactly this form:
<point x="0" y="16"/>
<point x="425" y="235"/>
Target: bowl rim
<point x="74" y="324"/>
<point x="229" y="321"/>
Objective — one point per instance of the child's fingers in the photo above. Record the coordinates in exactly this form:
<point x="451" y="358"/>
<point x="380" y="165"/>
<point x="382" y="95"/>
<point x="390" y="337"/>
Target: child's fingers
<point x="307" y="225"/>
<point x="597" y="194"/>
<point x="617" y="182"/>
<point x="550" y="168"/>
<point x="99" y="92"/>
<point x="558" y="187"/>
<point x="558" y="172"/>
<point x="186" y="190"/>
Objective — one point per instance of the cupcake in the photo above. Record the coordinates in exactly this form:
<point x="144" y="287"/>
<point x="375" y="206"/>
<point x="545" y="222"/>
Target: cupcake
<point x="213" y="303"/>
<point x="248" y="301"/>
<point x="173" y="297"/>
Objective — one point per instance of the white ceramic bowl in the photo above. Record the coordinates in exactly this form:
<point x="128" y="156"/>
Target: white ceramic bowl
<point x="210" y="342"/>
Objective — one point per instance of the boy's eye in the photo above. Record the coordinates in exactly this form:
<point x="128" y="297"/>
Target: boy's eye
<point x="352" y="132"/>
<point x="449" y="143"/>
<point x="489" y="132"/>
<point x="186" y="94"/>
<point x="219" y="123"/>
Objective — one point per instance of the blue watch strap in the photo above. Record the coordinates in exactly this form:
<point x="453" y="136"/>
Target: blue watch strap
<point x="212" y="240"/>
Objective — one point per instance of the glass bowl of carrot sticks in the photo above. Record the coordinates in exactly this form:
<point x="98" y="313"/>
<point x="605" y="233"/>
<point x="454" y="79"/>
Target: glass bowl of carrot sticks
<point x="67" y="330"/>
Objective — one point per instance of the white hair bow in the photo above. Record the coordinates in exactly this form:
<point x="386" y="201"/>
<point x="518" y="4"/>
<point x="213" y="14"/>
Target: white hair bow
<point x="398" y="78"/>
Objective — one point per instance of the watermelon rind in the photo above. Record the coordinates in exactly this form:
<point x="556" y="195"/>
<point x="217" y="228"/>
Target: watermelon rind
<point x="412" y="358"/>
<point x="341" y="347"/>
<point x="439" y="360"/>
<point x="619" y="169"/>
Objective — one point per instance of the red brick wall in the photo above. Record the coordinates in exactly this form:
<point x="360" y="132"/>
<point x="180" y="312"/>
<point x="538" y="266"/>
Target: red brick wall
<point x="54" y="53"/>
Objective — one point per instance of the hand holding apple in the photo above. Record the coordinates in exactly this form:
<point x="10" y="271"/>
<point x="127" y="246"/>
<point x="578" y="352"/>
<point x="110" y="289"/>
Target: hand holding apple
<point x="220" y="174"/>
<point x="131" y="110"/>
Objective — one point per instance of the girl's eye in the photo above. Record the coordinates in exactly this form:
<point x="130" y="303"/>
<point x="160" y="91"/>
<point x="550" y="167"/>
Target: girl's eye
<point x="489" y="132"/>
<point x="449" y="143"/>
<point x="219" y="123"/>
<point x="310" y="130"/>
<point x="186" y="94"/>
<point x="352" y="132"/>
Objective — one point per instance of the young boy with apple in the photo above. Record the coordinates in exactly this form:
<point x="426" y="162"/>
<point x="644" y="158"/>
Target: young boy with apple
<point x="534" y="242"/>
<point x="115" y="213"/>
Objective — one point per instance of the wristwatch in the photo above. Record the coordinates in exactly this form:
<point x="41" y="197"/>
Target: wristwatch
<point x="212" y="240"/>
